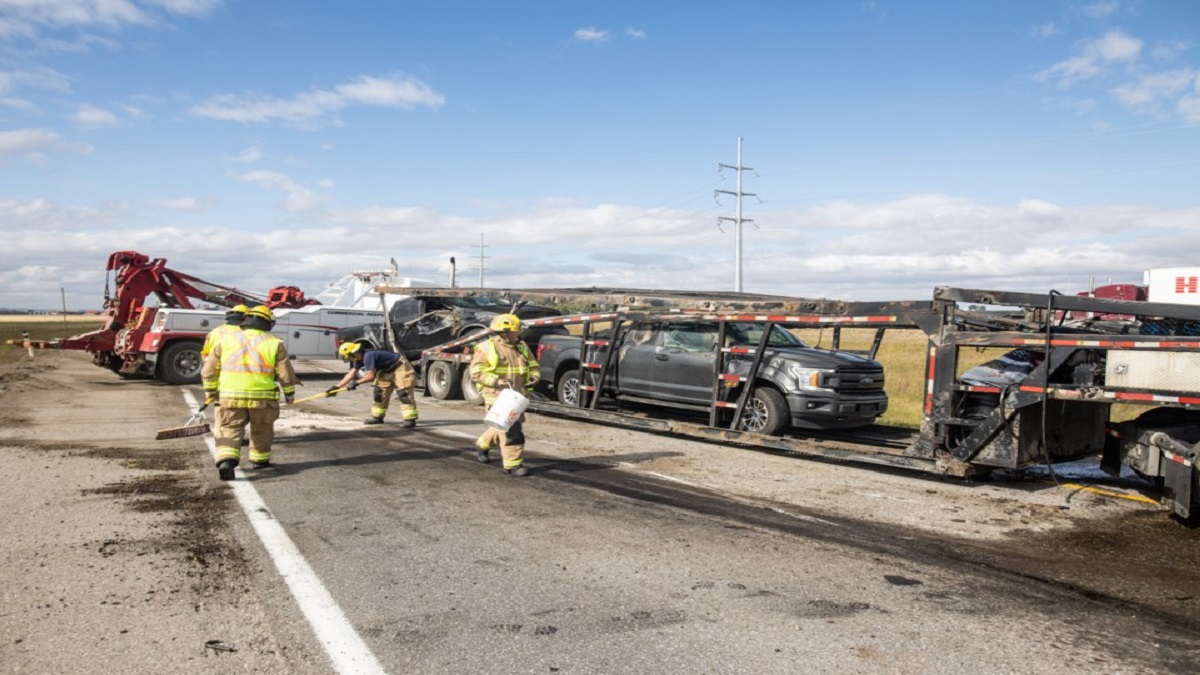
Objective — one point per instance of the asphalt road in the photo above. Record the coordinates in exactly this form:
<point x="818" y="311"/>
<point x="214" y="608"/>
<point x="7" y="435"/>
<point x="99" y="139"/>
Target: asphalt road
<point x="401" y="553"/>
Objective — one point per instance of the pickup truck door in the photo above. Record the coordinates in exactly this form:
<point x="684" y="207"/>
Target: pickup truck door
<point x="684" y="363"/>
<point x="636" y="359"/>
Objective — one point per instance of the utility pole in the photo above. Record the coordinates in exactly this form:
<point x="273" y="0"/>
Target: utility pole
<point x="63" y="292"/>
<point x="453" y="275"/>
<point x="481" y="259"/>
<point x="737" y="220"/>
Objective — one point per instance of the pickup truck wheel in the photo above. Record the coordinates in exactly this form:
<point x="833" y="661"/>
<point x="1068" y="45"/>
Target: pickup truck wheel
<point x="766" y="412"/>
<point x="566" y="390"/>
<point x="180" y="363"/>
<point x="442" y="381"/>
<point x="469" y="391"/>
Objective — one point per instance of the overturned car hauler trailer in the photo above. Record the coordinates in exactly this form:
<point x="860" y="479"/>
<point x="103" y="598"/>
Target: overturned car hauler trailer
<point x="1058" y="408"/>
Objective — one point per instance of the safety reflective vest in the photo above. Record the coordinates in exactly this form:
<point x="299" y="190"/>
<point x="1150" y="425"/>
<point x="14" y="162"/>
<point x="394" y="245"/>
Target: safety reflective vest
<point x="248" y="359"/>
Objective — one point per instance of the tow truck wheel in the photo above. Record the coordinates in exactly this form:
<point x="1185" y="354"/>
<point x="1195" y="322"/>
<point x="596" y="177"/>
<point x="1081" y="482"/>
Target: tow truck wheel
<point x="766" y="412"/>
<point x="180" y="363"/>
<point x="469" y="391"/>
<point x="442" y="380"/>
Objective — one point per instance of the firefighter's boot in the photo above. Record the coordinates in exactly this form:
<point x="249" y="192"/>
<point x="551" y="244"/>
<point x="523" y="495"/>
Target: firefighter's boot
<point x="518" y="470"/>
<point x="373" y="420"/>
<point x="482" y="455"/>
<point x="225" y="468"/>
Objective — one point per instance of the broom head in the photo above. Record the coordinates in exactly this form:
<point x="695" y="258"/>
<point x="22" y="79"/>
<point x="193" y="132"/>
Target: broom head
<point x="183" y="432"/>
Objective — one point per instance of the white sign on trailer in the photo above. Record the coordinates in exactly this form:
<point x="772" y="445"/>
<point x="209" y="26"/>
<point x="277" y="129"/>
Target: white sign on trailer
<point x="1180" y="285"/>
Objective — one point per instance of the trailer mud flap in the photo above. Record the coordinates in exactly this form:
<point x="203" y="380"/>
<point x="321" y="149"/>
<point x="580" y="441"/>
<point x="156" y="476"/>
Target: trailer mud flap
<point x="1179" y="483"/>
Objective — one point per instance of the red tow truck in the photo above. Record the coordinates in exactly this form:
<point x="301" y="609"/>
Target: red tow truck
<point x="125" y="343"/>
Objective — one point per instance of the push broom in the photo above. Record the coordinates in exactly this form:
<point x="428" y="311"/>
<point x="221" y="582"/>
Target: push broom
<point x="195" y="425"/>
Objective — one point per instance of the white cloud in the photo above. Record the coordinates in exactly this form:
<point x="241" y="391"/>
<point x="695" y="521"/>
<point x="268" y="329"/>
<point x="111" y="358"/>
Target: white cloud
<point x="1189" y="106"/>
<point x="1094" y="57"/>
<point x="311" y="109"/>
<point x="897" y="250"/>
<point x="28" y="18"/>
<point x="89" y="115"/>
<point x="1170" y="51"/>
<point x="41" y="78"/>
<point x="636" y="33"/>
<point x="34" y="144"/>
<point x="1153" y="88"/>
<point x="1045" y="30"/>
<point x="17" y="104"/>
<point x="248" y="156"/>
<point x="184" y="204"/>
<point x="187" y="7"/>
<point x="592" y="35"/>
<point x="299" y="198"/>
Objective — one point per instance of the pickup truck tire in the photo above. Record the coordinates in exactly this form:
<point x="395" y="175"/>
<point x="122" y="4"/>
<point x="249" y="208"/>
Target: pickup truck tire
<point x="566" y="390"/>
<point x="766" y="413"/>
<point x="442" y="381"/>
<point x="469" y="391"/>
<point x="180" y="363"/>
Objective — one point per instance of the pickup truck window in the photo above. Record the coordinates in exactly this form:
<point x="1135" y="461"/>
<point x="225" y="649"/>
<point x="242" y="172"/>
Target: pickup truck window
<point x="690" y="337"/>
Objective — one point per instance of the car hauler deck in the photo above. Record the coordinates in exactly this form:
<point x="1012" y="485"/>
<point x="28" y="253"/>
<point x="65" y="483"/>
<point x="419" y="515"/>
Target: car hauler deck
<point x="1059" y="410"/>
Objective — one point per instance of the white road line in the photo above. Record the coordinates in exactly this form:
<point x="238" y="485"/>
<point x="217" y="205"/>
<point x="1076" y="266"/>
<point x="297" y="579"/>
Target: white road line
<point x="350" y="655"/>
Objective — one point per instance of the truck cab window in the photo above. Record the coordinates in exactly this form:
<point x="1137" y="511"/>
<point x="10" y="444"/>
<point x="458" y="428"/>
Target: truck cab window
<point x="690" y="337"/>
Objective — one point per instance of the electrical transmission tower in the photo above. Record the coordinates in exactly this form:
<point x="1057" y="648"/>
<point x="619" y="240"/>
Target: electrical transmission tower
<point x="481" y="259"/>
<point x="737" y="219"/>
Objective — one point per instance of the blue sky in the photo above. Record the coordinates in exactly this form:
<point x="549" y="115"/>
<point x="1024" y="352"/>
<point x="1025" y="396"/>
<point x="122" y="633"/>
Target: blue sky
<point x="895" y="146"/>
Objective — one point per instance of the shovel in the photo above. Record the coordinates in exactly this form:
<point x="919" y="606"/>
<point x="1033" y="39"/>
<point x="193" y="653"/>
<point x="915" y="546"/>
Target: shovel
<point x="323" y="394"/>
<point x="195" y="425"/>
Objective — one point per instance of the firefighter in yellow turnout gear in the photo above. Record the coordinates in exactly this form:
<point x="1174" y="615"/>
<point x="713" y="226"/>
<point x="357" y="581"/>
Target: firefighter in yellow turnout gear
<point x="233" y="322"/>
<point x="502" y="361"/>
<point x="245" y="371"/>
<point x="389" y="371"/>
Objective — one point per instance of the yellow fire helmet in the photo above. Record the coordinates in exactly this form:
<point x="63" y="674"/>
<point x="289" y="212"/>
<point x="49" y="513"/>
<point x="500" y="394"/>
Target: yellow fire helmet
<point x="262" y="312"/>
<point x="506" y="323"/>
<point x="348" y="349"/>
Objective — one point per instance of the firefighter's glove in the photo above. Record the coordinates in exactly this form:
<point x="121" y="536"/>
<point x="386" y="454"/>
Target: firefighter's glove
<point x="332" y="391"/>
<point x="352" y="386"/>
<point x="289" y="399"/>
<point x="211" y="399"/>
<point x="502" y="383"/>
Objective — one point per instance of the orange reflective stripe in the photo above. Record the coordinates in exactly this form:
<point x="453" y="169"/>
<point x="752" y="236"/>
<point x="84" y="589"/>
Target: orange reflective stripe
<point x="247" y="358"/>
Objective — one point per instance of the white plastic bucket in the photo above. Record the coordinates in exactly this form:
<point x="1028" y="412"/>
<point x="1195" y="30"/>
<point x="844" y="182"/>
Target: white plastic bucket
<point x="506" y="410"/>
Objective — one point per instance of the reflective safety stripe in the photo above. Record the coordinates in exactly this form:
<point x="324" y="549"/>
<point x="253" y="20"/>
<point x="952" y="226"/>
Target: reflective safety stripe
<point x="216" y="335"/>
<point x="247" y="358"/>
<point x="528" y="369"/>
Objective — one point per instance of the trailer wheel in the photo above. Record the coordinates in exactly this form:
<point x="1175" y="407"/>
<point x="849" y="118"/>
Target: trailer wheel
<point x="766" y="413"/>
<point x="566" y="390"/>
<point x="442" y="381"/>
<point x="469" y="391"/>
<point x="180" y="363"/>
